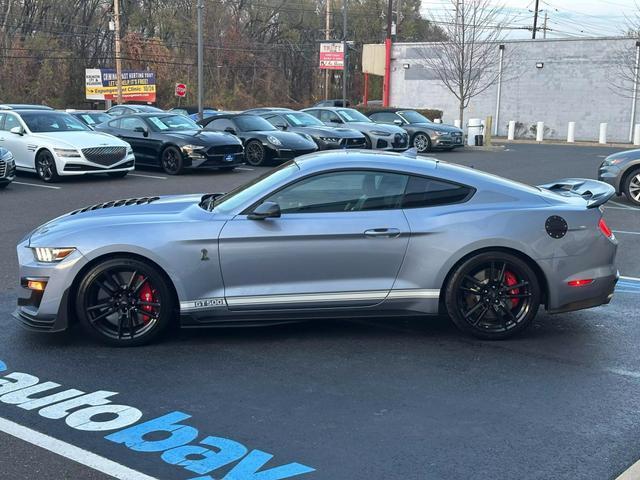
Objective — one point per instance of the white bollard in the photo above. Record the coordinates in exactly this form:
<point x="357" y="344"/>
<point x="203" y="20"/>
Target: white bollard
<point x="603" y="133"/>
<point x="456" y="123"/>
<point x="539" y="131"/>
<point x="636" y="134"/>
<point x="571" y="132"/>
<point x="511" y="134"/>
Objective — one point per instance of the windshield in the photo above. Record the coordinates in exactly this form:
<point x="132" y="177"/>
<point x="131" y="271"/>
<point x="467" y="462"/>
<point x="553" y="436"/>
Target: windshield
<point x="414" y="117"/>
<point x="351" y="115"/>
<point x="95" y="118"/>
<point x="254" y="189"/>
<point x="301" y="119"/>
<point x="52" y="122"/>
<point x="252" y="123"/>
<point x="172" y="123"/>
<point x="146" y="108"/>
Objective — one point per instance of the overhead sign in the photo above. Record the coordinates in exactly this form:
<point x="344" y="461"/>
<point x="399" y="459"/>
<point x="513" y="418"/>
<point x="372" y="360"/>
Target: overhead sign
<point x="373" y="58"/>
<point x="181" y="90"/>
<point x="331" y="56"/>
<point x="137" y="85"/>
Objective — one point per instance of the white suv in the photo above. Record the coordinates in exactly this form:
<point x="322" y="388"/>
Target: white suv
<point x="54" y="144"/>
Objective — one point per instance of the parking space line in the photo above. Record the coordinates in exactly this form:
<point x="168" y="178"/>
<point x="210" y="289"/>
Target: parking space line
<point x="622" y="205"/>
<point x="77" y="454"/>
<point x="631" y="473"/>
<point x="623" y="231"/>
<point x="618" y="208"/>
<point x="37" y="185"/>
<point x="147" y="176"/>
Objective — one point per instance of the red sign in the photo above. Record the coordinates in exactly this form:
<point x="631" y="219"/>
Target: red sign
<point x="181" y="90"/>
<point x="331" y="56"/>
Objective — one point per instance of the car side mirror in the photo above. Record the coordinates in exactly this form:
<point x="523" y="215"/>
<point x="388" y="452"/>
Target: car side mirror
<point x="336" y="120"/>
<point x="17" y="130"/>
<point x="265" y="210"/>
<point x="231" y="130"/>
<point x="281" y="127"/>
<point x="398" y="122"/>
<point x="144" y="131"/>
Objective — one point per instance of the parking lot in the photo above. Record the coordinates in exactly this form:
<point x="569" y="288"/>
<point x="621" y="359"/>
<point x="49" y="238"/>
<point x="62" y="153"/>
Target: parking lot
<point x="352" y="399"/>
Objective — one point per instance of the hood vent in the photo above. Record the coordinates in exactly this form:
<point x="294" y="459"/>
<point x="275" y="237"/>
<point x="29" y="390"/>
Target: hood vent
<point x="117" y="203"/>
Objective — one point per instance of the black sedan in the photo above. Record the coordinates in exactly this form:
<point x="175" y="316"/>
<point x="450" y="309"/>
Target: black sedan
<point x="425" y="135"/>
<point x="262" y="141"/>
<point x="326" y="137"/>
<point x="175" y="142"/>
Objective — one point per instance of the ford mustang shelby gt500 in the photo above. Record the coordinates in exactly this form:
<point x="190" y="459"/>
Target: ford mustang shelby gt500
<point x="330" y="234"/>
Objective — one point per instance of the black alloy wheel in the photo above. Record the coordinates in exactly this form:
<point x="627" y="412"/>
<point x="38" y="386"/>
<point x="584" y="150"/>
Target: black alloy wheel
<point x="255" y="153"/>
<point x="422" y="142"/>
<point x="124" y="302"/>
<point x="46" y="167"/>
<point x="493" y="295"/>
<point x="171" y="161"/>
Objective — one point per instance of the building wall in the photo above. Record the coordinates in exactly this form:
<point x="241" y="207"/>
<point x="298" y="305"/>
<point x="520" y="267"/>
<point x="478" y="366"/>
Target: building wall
<point x="575" y="84"/>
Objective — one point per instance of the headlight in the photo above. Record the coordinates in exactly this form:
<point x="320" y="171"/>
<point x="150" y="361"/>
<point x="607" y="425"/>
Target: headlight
<point x="330" y="139"/>
<point x="67" y="152"/>
<point x="273" y="140"/>
<point x="129" y="150"/>
<point x="190" y="149"/>
<point x="439" y="133"/>
<point x="8" y="157"/>
<point x="380" y="133"/>
<point x="612" y="161"/>
<point x="51" y="255"/>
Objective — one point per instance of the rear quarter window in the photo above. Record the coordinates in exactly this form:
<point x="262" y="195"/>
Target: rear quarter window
<point x="428" y="192"/>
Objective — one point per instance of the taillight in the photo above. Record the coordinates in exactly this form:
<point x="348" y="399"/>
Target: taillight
<point x="604" y="228"/>
<point x="580" y="283"/>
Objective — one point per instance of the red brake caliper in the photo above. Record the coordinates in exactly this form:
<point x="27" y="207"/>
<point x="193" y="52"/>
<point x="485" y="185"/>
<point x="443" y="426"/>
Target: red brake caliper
<point x="146" y="295"/>
<point x="510" y="279"/>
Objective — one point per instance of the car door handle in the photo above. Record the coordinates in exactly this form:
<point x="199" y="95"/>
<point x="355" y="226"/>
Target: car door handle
<point x="382" y="232"/>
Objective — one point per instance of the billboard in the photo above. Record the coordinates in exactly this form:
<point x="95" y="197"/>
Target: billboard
<point x="137" y="85"/>
<point x="331" y="56"/>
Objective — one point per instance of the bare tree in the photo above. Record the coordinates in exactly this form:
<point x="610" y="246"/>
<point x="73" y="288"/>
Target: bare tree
<point x="467" y="61"/>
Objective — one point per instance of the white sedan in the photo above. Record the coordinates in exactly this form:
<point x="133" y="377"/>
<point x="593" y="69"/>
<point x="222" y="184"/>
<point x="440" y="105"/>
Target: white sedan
<point x="54" y="144"/>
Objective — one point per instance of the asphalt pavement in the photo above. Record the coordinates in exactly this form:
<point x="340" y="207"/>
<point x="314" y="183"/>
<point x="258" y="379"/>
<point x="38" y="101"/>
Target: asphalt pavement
<point x="354" y="400"/>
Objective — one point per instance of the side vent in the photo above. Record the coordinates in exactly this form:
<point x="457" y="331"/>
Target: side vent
<point x="117" y="203"/>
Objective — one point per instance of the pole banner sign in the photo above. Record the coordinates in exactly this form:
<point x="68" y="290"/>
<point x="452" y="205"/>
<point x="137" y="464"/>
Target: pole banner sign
<point x="137" y="85"/>
<point x="331" y="56"/>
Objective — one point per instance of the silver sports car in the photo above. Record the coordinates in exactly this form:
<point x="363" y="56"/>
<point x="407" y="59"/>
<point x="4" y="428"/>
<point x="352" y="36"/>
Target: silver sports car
<point x="331" y="234"/>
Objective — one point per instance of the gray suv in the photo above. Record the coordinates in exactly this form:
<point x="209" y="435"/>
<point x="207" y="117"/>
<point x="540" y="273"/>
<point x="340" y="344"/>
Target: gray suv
<point x="7" y="167"/>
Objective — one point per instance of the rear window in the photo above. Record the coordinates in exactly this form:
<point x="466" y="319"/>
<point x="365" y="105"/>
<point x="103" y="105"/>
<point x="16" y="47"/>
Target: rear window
<point x="427" y="192"/>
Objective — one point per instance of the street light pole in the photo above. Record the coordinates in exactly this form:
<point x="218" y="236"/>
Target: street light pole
<point x="535" y="20"/>
<point x="345" y="66"/>
<point x="116" y="21"/>
<point x="200" y="7"/>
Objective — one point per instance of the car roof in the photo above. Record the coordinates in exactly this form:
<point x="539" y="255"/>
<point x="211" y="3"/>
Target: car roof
<point x="23" y="106"/>
<point x="333" y="109"/>
<point x="327" y="159"/>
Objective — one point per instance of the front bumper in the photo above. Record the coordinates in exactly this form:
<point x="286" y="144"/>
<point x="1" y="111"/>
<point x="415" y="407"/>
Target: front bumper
<point x="7" y="172"/>
<point x="214" y="160"/>
<point x="281" y="154"/>
<point x="610" y="174"/>
<point x="447" y="141"/>
<point x="46" y="311"/>
<point x="70" y="166"/>
<point x="396" y="142"/>
<point x="345" y="143"/>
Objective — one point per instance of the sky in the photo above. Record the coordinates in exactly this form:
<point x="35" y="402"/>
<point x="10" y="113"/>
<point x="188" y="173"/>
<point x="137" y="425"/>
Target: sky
<point x="566" y="18"/>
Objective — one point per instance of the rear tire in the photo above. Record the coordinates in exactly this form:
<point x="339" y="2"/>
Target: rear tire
<point x="631" y="186"/>
<point x="46" y="167"/>
<point x="493" y="295"/>
<point x="124" y="302"/>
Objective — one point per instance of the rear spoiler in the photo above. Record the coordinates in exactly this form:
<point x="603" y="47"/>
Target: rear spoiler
<point x="594" y="192"/>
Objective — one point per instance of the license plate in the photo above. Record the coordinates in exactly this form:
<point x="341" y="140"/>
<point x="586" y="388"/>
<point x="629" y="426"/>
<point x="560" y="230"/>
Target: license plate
<point x="228" y="158"/>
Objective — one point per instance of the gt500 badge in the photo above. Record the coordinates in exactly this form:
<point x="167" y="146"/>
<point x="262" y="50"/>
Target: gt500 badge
<point x="202" y="304"/>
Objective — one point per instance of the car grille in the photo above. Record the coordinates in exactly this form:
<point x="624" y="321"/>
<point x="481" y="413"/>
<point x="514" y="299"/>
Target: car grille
<point x="117" y="203"/>
<point x="105" y="155"/>
<point x="353" y="142"/>
<point x="224" y="149"/>
<point x="3" y="168"/>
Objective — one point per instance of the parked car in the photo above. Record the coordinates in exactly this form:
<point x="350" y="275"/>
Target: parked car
<point x="175" y="142"/>
<point x="381" y="137"/>
<point x="55" y="144"/>
<point x="259" y="110"/>
<point x="622" y="171"/>
<point x="7" y="167"/>
<point x="91" y="117"/>
<point x="262" y="142"/>
<point x="129" y="109"/>
<point x="337" y="102"/>
<point x="338" y="234"/>
<point x="192" y="112"/>
<point x="424" y="134"/>
<point x="325" y="137"/>
<point x="23" y="106"/>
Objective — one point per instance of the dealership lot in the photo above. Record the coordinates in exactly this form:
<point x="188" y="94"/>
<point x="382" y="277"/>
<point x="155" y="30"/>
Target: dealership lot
<point x="393" y="399"/>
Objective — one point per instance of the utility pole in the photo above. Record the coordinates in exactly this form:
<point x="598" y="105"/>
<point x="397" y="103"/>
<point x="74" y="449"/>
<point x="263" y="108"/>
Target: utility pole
<point x="544" y="25"/>
<point x="116" y="21"/>
<point x="386" y="88"/>
<point x="200" y="7"/>
<point x="327" y="36"/>
<point x="535" y="20"/>
<point x="345" y="62"/>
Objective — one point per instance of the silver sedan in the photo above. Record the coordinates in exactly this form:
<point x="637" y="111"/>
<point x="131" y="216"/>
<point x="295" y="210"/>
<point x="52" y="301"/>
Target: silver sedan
<point x="622" y="171"/>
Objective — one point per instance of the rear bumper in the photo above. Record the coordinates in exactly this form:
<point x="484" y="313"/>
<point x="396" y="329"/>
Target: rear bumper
<point x="600" y="292"/>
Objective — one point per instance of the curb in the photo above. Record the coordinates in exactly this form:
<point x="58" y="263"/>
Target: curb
<point x="503" y="141"/>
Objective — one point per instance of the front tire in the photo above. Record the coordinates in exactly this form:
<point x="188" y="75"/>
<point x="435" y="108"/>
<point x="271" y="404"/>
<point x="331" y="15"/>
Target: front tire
<point x="493" y="295"/>
<point x="255" y="153"/>
<point x="422" y="142"/>
<point x="46" y="167"/>
<point x="171" y="161"/>
<point x="124" y="302"/>
<point x="632" y="186"/>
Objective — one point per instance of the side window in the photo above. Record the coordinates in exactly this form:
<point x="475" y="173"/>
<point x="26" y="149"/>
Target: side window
<point x="330" y="117"/>
<point x="277" y="121"/>
<point x="315" y="113"/>
<point x="385" y="117"/>
<point x="116" y="111"/>
<point x="427" y="192"/>
<point x="114" y="123"/>
<point x="131" y="123"/>
<point x="220" y="124"/>
<point x="10" y="121"/>
<point x="349" y="191"/>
